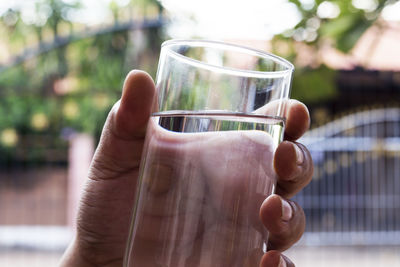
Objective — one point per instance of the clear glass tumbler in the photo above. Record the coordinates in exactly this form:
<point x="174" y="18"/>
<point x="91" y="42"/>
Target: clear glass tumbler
<point x="207" y="163"/>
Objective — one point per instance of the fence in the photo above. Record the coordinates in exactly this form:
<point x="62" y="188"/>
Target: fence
<point x="354" y="197"/>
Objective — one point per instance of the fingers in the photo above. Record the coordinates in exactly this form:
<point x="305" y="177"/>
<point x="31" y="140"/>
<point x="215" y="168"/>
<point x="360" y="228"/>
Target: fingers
<point x="292" y="161"/>
<point x="294" y="167"/>
<point x="297" y="120"/>
<point x="295" y="112"/>
<point x="135" y="106"/>
<point x="275" y="259"/>
<point x="285" y="221"/>
<point x="123" y="134"/>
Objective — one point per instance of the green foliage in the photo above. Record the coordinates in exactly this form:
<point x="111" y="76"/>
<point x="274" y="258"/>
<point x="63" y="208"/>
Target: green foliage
<point x="68" y="89"/>
<point x="342" y="28"/>
<point x="346" y="30"/>
<point x="314" y="85"/>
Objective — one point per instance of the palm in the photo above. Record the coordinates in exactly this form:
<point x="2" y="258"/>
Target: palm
<point x="195" y="202"/>
<point x="106" y="204"/>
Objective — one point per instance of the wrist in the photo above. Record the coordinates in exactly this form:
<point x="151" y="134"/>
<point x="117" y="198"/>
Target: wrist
<point x="73" y="257"/>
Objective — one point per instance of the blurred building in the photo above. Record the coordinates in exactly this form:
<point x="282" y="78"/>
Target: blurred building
<point x="354" y="196"/>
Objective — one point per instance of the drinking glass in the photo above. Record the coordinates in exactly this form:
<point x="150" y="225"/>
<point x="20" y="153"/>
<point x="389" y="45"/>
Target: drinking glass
<point x="207" y="162"/>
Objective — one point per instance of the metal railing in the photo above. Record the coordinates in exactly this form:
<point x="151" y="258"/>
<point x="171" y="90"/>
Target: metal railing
<point x="60" y="41"/>
<point x="354" y="197"/>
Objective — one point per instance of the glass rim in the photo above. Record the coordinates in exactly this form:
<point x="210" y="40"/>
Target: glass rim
<point x="232" y="47"/>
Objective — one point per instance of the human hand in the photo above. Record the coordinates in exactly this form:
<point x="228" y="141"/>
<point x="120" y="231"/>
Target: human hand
<point x="105" y="210"/>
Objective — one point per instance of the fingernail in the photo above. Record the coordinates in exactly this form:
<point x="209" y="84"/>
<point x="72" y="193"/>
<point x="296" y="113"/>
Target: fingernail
<point x="160" y="178"/>
<point x="282" y="262"/>
<point x="299" y="155"/>
<point x="286" y="210"/>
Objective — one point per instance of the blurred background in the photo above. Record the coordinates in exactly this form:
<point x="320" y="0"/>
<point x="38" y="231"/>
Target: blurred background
<point x="62" y="65"/>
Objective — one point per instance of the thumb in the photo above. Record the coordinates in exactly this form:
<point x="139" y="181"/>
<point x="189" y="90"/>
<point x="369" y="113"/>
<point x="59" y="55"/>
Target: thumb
<point x="105" y="207"/>
<point x="121" y="141"/>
